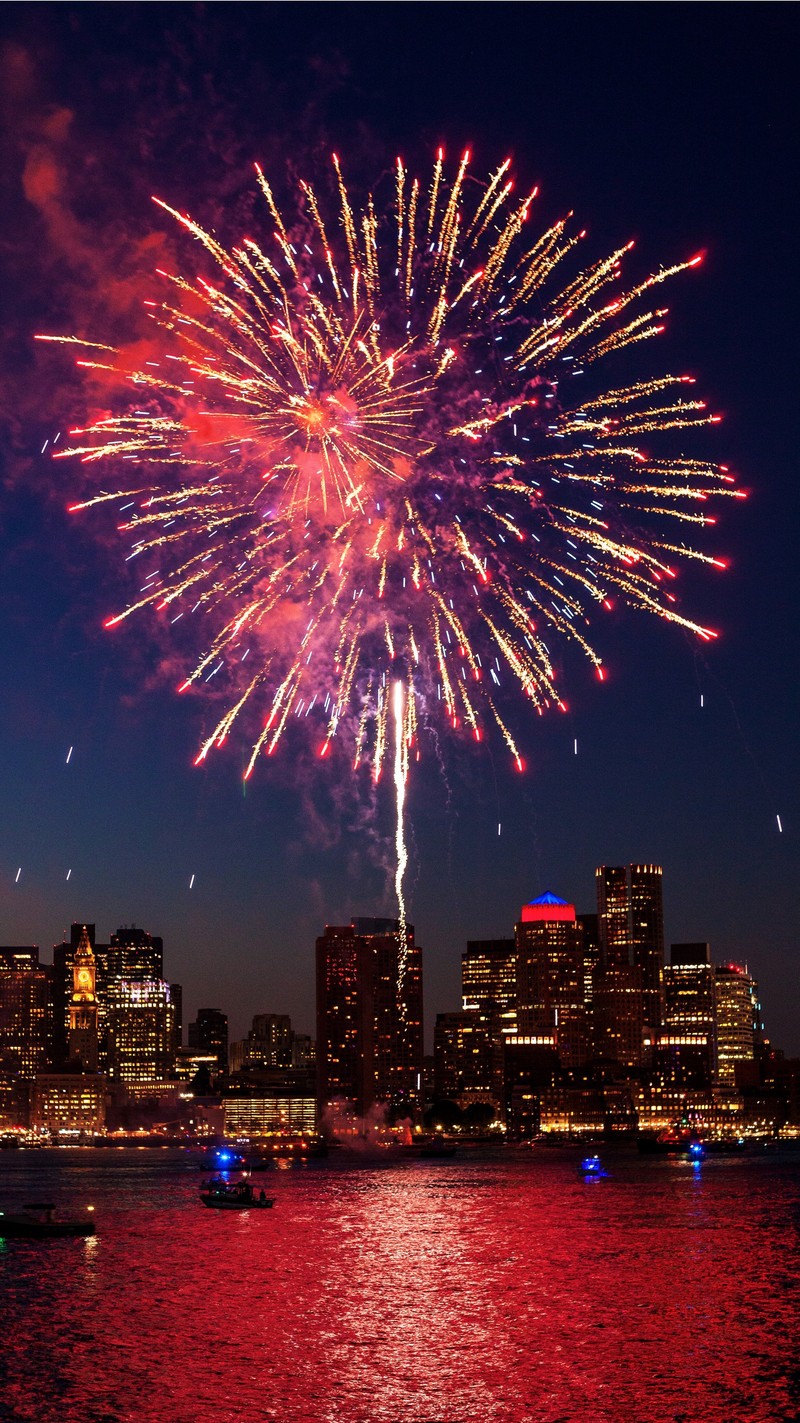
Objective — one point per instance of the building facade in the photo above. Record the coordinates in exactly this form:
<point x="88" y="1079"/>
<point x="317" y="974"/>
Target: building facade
<point x="550" y="978"/>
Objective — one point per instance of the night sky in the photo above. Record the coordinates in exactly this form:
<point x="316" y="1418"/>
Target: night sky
<point x="672" y="124"/>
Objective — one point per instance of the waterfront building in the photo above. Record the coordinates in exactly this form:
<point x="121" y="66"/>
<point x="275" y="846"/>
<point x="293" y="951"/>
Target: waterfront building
<point x="530" y="1066"/>
<point x="176" y="998"/>
<point x="590" y="926"/>
<point x="550" y="978"/>
<point x="738" y="1014"/>
<point x="586" y="1110"/>
<point x="69" y="1102"/>
<point x="398" y="1037"/>
<point x="269" y="1112"/>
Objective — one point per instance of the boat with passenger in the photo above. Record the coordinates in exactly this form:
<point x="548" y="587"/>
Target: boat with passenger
<point x="234" y="1196"/>
<point x="38" y="1221"/>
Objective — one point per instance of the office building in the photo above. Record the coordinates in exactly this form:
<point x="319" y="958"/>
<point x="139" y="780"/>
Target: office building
<point x="738" y="1023"/>
<point x="631" y="932"/>
<point x="369" y="1014"/>
<point x="345" y="992"/>
<point x="488" y="1001"/>
<point x="209" y="1034"/>
<point x="550" y="978"/>
<point x="618" y="1031"/>
<point x="690" y="1013"/>
<point x="140" y="1032"/>
<point x="25" y="1013"/>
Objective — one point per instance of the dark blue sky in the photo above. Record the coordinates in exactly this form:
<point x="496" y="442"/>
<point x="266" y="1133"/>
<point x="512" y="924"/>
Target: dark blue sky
<point x="674" y="124"/>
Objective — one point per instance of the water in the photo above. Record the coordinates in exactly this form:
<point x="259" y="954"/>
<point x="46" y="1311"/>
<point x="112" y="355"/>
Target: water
<point x="488" y="1287"/>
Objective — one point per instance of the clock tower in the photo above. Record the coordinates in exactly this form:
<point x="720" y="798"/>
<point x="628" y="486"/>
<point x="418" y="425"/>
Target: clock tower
<point x="83" y="1006"/>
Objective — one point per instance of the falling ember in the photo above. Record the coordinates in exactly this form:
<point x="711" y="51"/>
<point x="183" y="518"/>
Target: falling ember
<point x="380" y="436"/>
<point x="401" y="854"/>
<point x="17" y="875"/>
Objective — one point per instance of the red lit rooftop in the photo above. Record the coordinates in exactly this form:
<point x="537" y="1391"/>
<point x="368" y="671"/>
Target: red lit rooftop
<point x="547" y="908"/>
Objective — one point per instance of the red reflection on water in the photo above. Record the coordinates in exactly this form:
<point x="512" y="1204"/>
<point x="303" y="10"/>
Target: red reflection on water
<point x="502" y="1289"/>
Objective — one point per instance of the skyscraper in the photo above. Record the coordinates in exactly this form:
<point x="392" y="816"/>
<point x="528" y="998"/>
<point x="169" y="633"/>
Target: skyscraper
<point x="25" y="1013"/>
<point x="631" y="923"/>
<point x="140" y="1043"/>
<point x="398" y="1009"/>
<point x="738" y="1022"/>
<point x="488" y="1001"/>
<point x="647" y="938"/>
<point x="369" y="1014"/>
<point x="613" y="914"/>
<point x="345" y="1019"/>
<point x="550" y="987"/>
<point x="209" y="1033"/>
<point x="690" y="1003"/>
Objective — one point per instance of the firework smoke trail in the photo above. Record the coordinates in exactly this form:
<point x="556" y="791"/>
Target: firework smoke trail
<point x="378" y="437"/>
<point x="400" y="774"/>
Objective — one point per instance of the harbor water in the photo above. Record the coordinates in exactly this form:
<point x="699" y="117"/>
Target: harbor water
<point x="493" y="1287"/>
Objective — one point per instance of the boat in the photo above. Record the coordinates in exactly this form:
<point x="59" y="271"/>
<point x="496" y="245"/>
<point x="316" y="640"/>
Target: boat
<point x="220" y="1158"/>
<point x="234" y="1196"/>
<point x="591" y="1168"/>
<point x="429" y="1147"/>
<point x="38" y="1221"/>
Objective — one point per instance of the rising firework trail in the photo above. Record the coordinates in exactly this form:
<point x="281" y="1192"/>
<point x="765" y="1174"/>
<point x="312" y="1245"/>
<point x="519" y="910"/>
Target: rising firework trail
<point x="378" y="438"/>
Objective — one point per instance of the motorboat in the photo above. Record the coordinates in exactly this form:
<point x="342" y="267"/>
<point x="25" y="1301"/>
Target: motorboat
<point x="39" y="1221"/>
<point x="591" y="1168"/>
<point x="234" y="1196"/>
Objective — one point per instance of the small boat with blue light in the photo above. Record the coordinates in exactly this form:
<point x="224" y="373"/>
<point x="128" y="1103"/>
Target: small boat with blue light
<point x="591" y="1168"/>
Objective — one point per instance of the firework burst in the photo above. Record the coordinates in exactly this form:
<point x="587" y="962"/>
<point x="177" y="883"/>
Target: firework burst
<point x="365" y="462"/>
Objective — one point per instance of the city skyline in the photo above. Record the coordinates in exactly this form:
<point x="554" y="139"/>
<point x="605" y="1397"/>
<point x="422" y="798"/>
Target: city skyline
<point x="306" y="1020"/>
<point x="684" y="757"/>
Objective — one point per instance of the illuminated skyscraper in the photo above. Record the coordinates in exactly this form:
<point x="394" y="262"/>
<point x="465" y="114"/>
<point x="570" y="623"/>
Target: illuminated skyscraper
<point x="690" y="1005"/>
<point x="398" y="1010"/>
<point x="631" y="924"/>
<point x="647" y="938"/>
<point x="345" y="1019"/>
<point x="25" y="1013"/>
<point x="613" y="914"/>
<point x="738" y="1024"/>
<point x="369" y="1015"/>
<point x="488" y="1001"/>
<point x="617" y="1016"/>
<point x="550" y="986"/>
<point x="140" y="1044"/>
